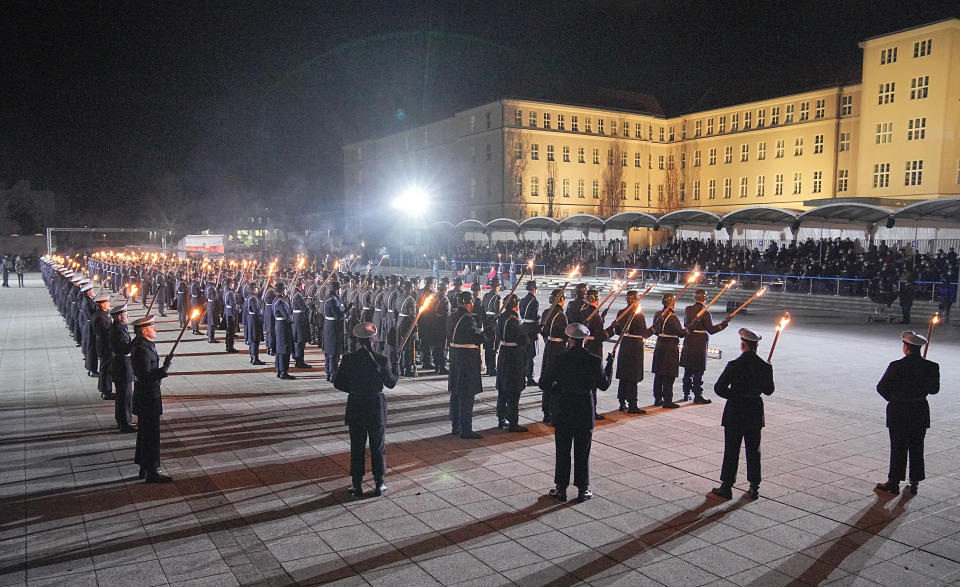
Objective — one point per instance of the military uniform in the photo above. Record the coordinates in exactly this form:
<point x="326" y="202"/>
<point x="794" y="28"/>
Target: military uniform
<point x="553" y="325"/>
<point x="283" y="334"/>
<point x="511" y="363"/>
<point x="693" y="358"/>
<point x="301" y="328"/>
<point x="530" y="318"/>
<point x="666" y="356"/>
<point x="630" y="355"/>
<point x="463" y="381"/>
<point x="253" y="327"/>
<point x="121" y="372"/>
<point x="212" y="305"/>
<point x="147" y="404"/>
<point x="269" y="323"/>
<point x="231" y="309"/>
<point x="491" y="342"/>
<point x="333" y="343"/>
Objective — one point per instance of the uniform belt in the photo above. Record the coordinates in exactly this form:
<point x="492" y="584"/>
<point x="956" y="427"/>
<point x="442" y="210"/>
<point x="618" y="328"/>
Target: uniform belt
<point x="297" y="311"/>
<point x="464" y="346"/>
<point x="404" y="315"/>
<point x="229" y="307"/>
<point x="631" y="335"/>
<point x="127" y="355"/>
<point x="509" y="344"/>
<point x="554" y="339"/>
<point x="329" y="318"/>
<point x="491" y="313"/>
<point x="701" y="331"/>
<point x="249" y="312"/>
<point x="667" y="336"/>
<point x="366" y="308"/>
<point x="589" y="338"/>
<point x="279" y="318"/>
<point x="529" y="321"/>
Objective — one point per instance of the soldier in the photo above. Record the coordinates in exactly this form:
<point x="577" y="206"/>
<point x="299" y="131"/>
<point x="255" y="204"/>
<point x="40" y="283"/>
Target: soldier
<point x="593" y="320"/>
<point x="578" y="304"/>
<point x="301" y="326"/>
<point x="553" y="326"/>
<point x="429" y="323"/>
<point x="530" y="317"/>
<point x="511" y="364"/>
<point x="269" y="323"/>
<point x="407" y="311"/>
<point x="693" y="359"/>
<point x="253" y="324"/>
<point x="630" y="358"/>
<point x="121" y="368"/>
<point x="577" y="375"/>
<point x="905" y="385"/>
<point x="212" y="295"/>
<point x="283" y="333"/>
<point x="363" y="374"/>
<point x="181" y="293"/>
<point x="196" y="301"/>
<point x="491" y="343"/>
<point x="333" y="317"/>
<point x="742" y="382"/>
<point x="231" y="309"/>
<point x="353" y="308"/>
<point x="907" y="293"/>
<point x="463" y="382"/>
<point x="666" y="353"/>
<point x="92" y="352"/>
<point x="453" y="294"/>
<point x="160" y="292"/>
<point x="100" y="324"/>
<point x="147" y="400"/>
<point x="439" y="312"/>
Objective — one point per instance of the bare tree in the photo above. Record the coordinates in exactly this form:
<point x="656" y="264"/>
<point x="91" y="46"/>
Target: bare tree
<point x="552" y="177"/>
<point x="515" y="154"/>
<point x="678" y="179"/>
<point x="611" y="200"/>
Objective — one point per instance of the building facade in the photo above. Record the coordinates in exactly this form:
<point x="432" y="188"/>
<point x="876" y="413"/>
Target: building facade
<point x="892" y="137"/>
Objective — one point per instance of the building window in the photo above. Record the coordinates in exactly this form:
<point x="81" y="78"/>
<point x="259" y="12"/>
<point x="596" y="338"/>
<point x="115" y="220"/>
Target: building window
<point x="885" y="93"/>
<point x="636" y="191"/>
<point x="821" y="108"/>
<point x="713" y="156"/>
<point x="574" y="124"/>
<point x="580" y="188"/>
<point x="914" y="174"/>
<point x="683" y="191"/>
<point x="727" y="188"/>
<point x="661" y="134"/>
<point x="660" y="162"/>
<point x="697" y="127"/>
<point x="744" y="153"/>
<point x="798" y="146"/>
<point x="566" y="154"/>
<point x="596" y="156"/>
<point x="884" y="133"/>
<point x="760" y="185"/>
<point x="586" y="125"/>
<point x="712" y="190"/>
<point x="561" y="123"/>
<point x="566" y="188"/>
<point x="517" y="187"/>
<point x="728" y="154"/>
<point x="580" y="155"/>
<point x="746" y="120"/>
<point x="844" y="141"/>
<point x="919" y="87"/>
<point x="623" y="190"/>
<point x="626" y="129"/>
<point x="489" y="120"/>
<point x="778" y="185"/>
<point x="817" y="182"/>
<point x="779" y="151"/>
<point x="683" y="159"/>
<point x="761" y="118"/>
<point x="804" y="111"/>
<point x="734" y="123"/>
<point x="649" y="138"/>
<point x="709" y="126"/>
<point x="546" y="120"/>
<point x="888" y="56"/>
<point x="638" y="131"/>
<point x="761" y="151"/>
<point x="613" y="128"/>
<point x="797" y="182"/>
<point x="649" y="187"/>
<point x="846" y="105"/>
<point x="671" y="134"/>
<point x="788" y="117"/>
<point x="722" y="125"/>
<point x="534" y="187"/>
<point x="534" y="152"/>
<point x="670" y="161"/>
<point x="637" y="160"/>
<point x="623" y="159"/>
<point x="843" y="177"/>
<point x="922" y="48"/>
<point x="660" y="193"/>
<point x="696" y="158"/>
<point x="609" y="157"/>
<point x="600" y="126"/>
<point x="881" y="175"/>
<point x="817" y="144"/>
<point x="775" y="116"/>
<point x="596" y="189"/>
<point x="649" y="161"/>
<point x="743" y="187"/>
<point x="916" y="129"/>
<point x="532" y="120"/>
<point x="696" y="187"/>
<point x="518" y="118"/>
<point x="518" y="150"/>
<point x="550" y="185"/>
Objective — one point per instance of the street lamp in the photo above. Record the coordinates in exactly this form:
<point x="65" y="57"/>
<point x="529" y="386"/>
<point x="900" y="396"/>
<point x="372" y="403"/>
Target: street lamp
<point x="413" y="202"/>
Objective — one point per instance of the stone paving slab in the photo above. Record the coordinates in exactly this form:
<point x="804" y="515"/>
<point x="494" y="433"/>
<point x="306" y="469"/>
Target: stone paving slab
<point x="260" y="468"/>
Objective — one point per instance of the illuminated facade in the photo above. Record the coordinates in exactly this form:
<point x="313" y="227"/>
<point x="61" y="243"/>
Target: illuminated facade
<point x="894" y="137"/>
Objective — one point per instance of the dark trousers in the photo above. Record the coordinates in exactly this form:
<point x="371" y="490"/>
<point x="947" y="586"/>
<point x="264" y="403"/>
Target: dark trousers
<point x="732" y="438"/>
<point x="298" y="348"/>
<point x="438" y="348"/>
<point x="271" y="341"/>
<point x="104" y="380"/>
<point x="359" y="434"/>
<point x="627" y="392"/>
<point x="905" y="310"/>
<point x="580" y="440"/>
<point x="692" y="382"/>
<point x="282" y="362"/>
<point x="508" y="406"/>
<point x="333" y="361"/>
<point x="195" y="323"/>
<point x="181" y="313"/>
<point x="230" y="331"/>
<point x="20" y="279"/>
<point x="663" y="388"/>
<point x="461" y="412"/>
<point x="528" y="366"/>
<point x="254" y="349"/>
<point x="490" y="355"/>
<point x="148" y="441"/>
<point x="123" y="404"/>
<point x="211" y="325"/>
<point x="903" y="444"/>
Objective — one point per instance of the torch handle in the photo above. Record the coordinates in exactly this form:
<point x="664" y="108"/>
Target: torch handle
<point x="773" y="346"/>
<point x="715" y="298"/>
<point x="626" y="329"/>
<point x="512" y="290"/>
<point x="179" y="336"/>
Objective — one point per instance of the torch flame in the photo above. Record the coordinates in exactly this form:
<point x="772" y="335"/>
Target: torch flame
<point x="936" y="318"/>
<point x="732" y="283"/>
<point x="637" y="310"/>
<point x="631" y="274"/>
<point x="784" y="321"/>
<point x="195" y="314"/>
<point x="694" y="277"/>
<point x="426" y="302"/>
<point x="762" y="291"/>
<point x="573" y="272"/>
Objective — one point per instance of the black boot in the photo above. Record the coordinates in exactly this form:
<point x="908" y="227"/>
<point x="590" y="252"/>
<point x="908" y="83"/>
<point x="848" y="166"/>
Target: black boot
<point x="723" y="491"/>
<point x="890" y="486"/>
<point x="754" y="491"/>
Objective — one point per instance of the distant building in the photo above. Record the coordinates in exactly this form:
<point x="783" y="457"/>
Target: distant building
<point x="892" y="137"/>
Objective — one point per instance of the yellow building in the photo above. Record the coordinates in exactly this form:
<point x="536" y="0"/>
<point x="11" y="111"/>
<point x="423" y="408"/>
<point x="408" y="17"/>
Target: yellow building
<point x="894" y="137"/>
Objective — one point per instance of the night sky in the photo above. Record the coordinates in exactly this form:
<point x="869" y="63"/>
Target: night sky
<point x="245" y="104"/>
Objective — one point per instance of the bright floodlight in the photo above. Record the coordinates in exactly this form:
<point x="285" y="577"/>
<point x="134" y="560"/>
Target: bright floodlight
<point x="414" y="201"/>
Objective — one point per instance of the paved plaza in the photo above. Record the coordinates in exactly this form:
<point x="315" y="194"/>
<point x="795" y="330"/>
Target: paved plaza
<point x="261" y="467"/>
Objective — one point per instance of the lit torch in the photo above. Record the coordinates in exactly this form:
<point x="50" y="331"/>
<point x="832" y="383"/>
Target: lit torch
<point x="519" y="279"/>
<point x="193" y="316"/>
<point x="626" y="327"/>
<point x="759" y="293"/>
<point x="423" y="306"/>
<point x="563" y="290"/>
<point x="716" y="297"/>
<point x="783" y="324"/>
<point x="933" y="322"/>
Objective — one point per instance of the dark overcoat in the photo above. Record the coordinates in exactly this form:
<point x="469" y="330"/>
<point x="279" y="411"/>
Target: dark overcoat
<point x="577" y="374"/>
<point x="905" y="385"/>
<point x="147" y="374"/>
<point x="694" y="353"/>
<point x="630" y="354"/>
<point x="333" y="317"/>
<point x="743" y="383"/>
<point x="283" y="327"/>
<point x="465" y="339"/>
<point x="666" y="353"/>
<point x="363" y="374"/>
<point x="512" y="358"/>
